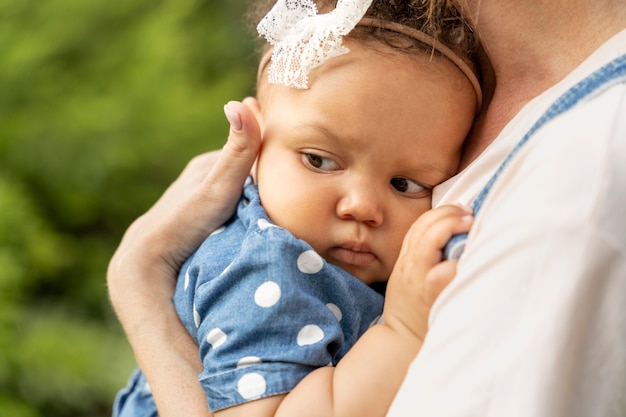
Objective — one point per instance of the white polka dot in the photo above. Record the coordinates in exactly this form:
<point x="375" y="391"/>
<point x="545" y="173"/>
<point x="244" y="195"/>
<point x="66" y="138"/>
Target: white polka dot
<point x="309" y="335"/>
<point x="247" y="361"/>
<point x="264" y="224"/>
<point x="186" y="279"/>
<point x="336" y="311"/>
<point x="218" y="231"/>
<point x="310" y="262"/>
<point x="147" y="387"/>
<point x="251" y="386"/>
<point x="267" y="294"/>
<point x="196" y="317"/>
<point x="216" y="338"/>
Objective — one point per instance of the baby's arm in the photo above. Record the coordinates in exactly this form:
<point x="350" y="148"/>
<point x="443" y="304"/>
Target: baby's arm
<point x="366" y="380"/>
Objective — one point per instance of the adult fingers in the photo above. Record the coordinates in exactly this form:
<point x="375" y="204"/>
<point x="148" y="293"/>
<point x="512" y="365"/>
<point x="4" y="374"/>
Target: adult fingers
<point x="215" y="197"/>
<point x="242" y="146"/>
<point x="202" y="198"/>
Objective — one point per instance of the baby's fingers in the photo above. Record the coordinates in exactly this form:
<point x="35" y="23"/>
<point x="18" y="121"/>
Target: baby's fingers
<point x="429" y="234"/>
<point x="419" y="275"/>
<point x="437" y="279"/>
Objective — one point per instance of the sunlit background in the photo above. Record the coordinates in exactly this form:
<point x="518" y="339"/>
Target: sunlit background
<point x="101" y="105"/>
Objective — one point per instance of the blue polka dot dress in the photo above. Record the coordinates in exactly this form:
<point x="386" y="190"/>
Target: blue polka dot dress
<point x="265" y="310"/>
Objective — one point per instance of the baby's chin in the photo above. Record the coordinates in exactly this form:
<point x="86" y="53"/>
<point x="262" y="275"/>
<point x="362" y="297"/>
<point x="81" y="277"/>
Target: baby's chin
<point x="369" y="276"/>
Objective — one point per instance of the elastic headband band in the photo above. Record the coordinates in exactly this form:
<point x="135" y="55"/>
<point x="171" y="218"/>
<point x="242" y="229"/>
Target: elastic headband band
<point x="437" y="46"/>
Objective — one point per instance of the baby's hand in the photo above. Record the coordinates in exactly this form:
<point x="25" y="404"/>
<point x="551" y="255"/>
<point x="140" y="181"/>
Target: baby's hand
<point x="420" y="273"/>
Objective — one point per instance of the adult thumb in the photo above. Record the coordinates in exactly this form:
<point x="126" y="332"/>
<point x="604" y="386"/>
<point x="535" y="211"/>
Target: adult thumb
<point x="242" y="147"/>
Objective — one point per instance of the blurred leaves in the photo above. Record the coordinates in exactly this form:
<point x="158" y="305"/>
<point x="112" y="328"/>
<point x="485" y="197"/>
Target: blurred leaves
<point x="101" y="105"/>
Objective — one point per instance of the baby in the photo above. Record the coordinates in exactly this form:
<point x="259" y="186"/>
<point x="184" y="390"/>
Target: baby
<point x="278" y="297"/>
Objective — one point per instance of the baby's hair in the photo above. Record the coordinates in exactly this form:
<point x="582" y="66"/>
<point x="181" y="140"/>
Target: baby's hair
<point x="440" y="19"/>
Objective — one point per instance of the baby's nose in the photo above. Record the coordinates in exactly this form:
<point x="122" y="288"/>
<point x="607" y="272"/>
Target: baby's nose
<point x="362" y="203"/>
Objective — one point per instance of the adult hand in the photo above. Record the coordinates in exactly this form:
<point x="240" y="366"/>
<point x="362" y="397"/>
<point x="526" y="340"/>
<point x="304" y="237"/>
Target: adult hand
<point x="142" y="273"/>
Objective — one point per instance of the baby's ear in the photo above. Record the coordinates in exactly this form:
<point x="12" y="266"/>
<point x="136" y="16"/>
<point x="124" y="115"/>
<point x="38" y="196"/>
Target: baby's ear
<point x="253" y="104"/>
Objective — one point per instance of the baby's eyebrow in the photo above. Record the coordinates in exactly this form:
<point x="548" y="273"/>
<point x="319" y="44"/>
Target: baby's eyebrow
<point x="327" y="131"/>
<point x="319" y="128"/>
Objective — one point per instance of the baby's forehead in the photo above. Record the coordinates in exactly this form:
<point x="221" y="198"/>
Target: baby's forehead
<point x="372" y="50"/>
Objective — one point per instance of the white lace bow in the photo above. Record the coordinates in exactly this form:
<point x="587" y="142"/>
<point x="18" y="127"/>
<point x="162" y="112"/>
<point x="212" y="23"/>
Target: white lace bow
<point x="303" y="39"/>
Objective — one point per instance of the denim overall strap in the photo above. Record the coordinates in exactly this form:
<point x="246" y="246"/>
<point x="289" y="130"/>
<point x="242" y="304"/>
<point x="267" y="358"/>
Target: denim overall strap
<point x="612" y="73"/>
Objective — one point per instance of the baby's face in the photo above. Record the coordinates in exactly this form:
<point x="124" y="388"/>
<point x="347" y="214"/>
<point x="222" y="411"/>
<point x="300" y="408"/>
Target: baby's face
<point x="349" y="164"/>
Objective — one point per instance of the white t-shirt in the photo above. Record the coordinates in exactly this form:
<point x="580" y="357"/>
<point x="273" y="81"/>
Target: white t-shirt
<point x="534" y="324"/>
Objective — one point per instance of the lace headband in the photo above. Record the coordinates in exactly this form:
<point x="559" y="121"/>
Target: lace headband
<point x="302" y="39"/>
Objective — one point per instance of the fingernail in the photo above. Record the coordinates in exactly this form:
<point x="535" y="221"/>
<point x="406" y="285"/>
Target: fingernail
<point x="467" y="218"/>
<point x="233" y="118"/>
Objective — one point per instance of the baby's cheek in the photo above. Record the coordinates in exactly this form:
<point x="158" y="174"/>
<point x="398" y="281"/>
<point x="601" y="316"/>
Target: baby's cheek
<point x="399" y="231"/>
<point x="393" y="246"/>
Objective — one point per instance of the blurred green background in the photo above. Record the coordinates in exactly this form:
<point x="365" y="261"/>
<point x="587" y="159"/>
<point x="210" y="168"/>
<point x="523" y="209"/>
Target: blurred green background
<point x="101" y="105"/>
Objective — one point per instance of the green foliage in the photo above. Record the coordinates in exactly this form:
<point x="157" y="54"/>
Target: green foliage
<point x="101" y="105"/>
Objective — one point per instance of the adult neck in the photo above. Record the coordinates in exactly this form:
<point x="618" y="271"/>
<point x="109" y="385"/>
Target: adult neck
<point x="530" y="45"/>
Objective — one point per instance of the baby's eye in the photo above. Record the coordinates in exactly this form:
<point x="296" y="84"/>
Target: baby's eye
<point x="407" y="186"/>
<point x="319" y="162"/>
